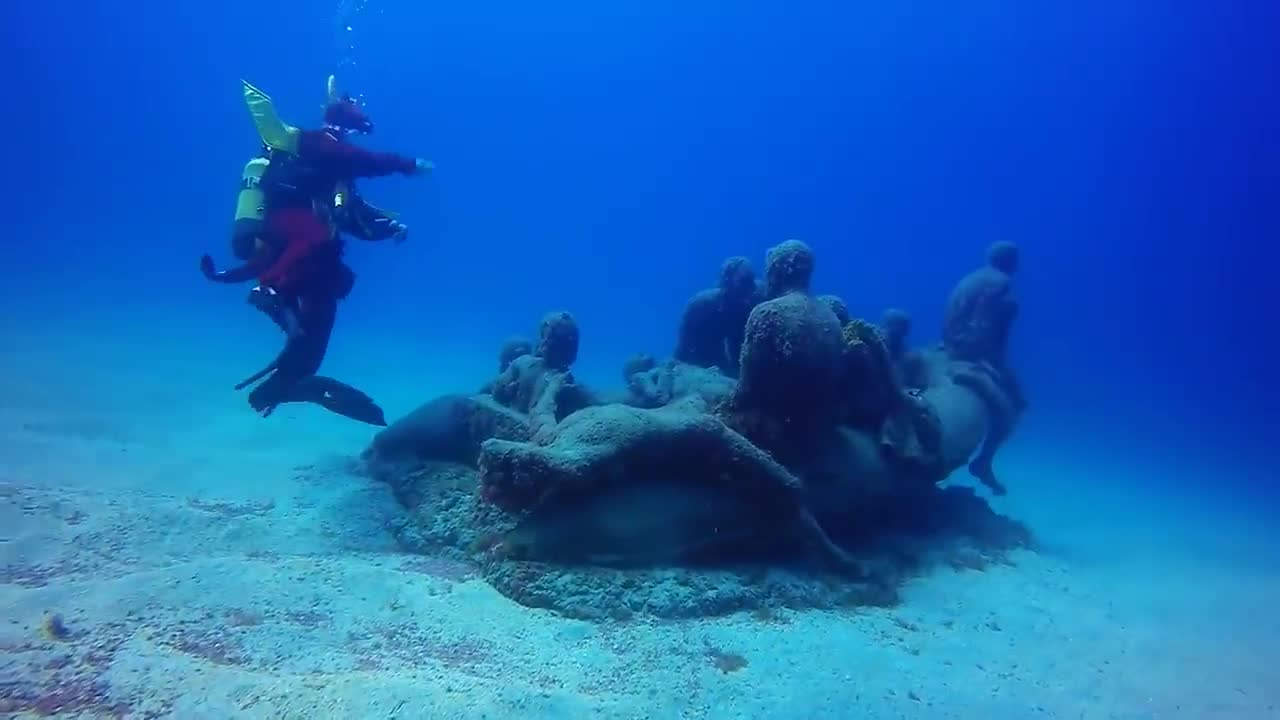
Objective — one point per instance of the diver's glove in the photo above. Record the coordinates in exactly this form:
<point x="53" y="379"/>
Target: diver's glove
<point x="388" y="228"/>
<point x="234" y="275"/>
<point x="399" y="232"/>
<point x="423" y="166"/>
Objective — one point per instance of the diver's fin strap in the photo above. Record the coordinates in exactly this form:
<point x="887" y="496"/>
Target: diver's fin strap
<point x="275" y="133"/>
<point x="258" y="375"/>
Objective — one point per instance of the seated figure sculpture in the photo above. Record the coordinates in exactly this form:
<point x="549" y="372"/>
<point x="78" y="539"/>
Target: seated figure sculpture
<point x="789" y="395"/>
<point x="541" y="384"/>
<point x="895" y="326"/>
<point x="975" y="335"/>
<point x="712" y="326"/>
<point x="512" y="348"/>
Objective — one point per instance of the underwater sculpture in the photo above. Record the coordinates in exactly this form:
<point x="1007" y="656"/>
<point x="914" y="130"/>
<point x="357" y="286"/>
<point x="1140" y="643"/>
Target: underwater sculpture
<point x="872" y="387"/>
<point x="838" y="307"/>
<point x="540" y="384"/>
<point x="788" y="267"/>
<point x="895" y="327"/>
<point x="981" y="309"/>
<point x="713" y="321"/>
<point x="788" y="396"/>
<point x="603" y="448"/>
<point x="810" y="481"/>
<point x="650" y="384"/>
<point x="512" y="348"/>
<point x="450" y="428"/>
<point x="645" y="387"/>
<point x="975" y="334"/>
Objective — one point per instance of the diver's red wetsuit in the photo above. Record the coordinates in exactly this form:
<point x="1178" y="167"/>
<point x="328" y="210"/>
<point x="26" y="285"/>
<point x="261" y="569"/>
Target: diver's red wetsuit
<point x="306" y="239"/>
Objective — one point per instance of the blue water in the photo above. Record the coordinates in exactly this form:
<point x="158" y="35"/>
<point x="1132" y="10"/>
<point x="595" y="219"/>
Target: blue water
<point x="603" y="158"/>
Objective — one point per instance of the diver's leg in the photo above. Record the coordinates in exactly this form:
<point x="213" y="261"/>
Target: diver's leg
<point x="295" y="380"/>
<point x="303" y="352"/>
<point x="316" y="315"/>
<point x="282" y="311"/>
<point x="283" y="314"/>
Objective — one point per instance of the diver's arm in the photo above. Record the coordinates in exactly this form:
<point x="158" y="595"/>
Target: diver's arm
<point x="350" y="160"/>
<point x="382" y="227"/>
<point x="367" y="222"/>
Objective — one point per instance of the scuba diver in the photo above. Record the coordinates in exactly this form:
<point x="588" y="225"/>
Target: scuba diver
<point x="296" y="197"/>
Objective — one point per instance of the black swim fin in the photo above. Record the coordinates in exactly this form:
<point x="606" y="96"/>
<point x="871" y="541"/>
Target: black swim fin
<point x="337" y="397"/>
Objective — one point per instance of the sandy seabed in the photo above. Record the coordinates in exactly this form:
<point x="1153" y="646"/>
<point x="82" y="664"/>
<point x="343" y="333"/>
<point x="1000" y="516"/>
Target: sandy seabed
<point x="205" y="563"/>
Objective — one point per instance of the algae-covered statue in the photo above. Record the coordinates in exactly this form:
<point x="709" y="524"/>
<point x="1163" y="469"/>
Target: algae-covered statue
<point x="541" y="384"/>
<point x="650" y="384"/>
<point x="533" y="390"/>
<point x="980" y="315"/>
<point x="908" y="365"/>
<point x="788" y="396"/>
<point x="712" y="325"/>
<point x="632" y="451"/>
<point x="810" y="480"/>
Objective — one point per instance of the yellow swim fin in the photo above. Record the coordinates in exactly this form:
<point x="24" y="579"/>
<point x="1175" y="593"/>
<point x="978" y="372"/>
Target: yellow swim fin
<point x="273" y="131"/>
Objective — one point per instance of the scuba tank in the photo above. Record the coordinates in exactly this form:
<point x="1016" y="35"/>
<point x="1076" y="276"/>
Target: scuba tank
<point x="250" y="209"/>
<point x="278" y="180"/>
